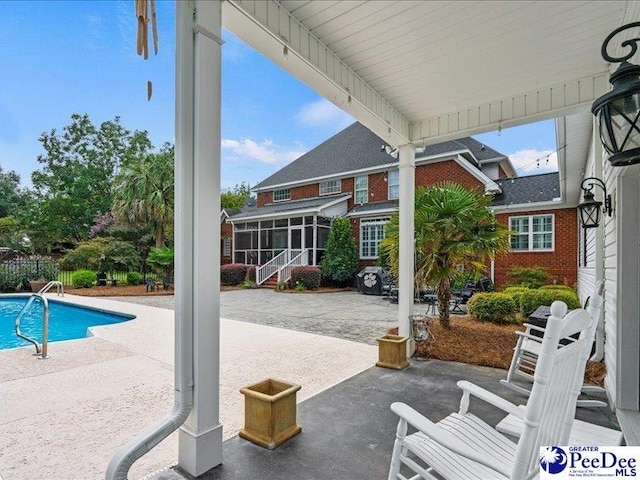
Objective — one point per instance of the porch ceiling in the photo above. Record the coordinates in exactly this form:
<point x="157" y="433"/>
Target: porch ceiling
<point x="429" y="71"/>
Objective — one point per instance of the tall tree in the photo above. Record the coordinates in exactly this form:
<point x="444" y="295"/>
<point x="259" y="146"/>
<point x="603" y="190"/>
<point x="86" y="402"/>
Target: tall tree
<point x="74" y="185"/>
<point x="455" y="231"/>
<point x="235" y="198"/>
<point x="11" y="196"/>
<point x="143" y="193"/>
<point x="340" y="259"/>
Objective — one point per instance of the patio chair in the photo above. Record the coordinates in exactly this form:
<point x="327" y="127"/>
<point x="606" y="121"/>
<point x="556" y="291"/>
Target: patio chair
<point x="151" y="285"/>
<point x="464" y="446"/>
<point x="526" y="351"/>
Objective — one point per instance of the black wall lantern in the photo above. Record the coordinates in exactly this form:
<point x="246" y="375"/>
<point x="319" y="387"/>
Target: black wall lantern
<point x="590" y="207"/>
<point x="618" y="112"/>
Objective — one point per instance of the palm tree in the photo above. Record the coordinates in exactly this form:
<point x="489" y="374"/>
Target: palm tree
<point x="454" y="232"/>
<point x="143" y="193"/>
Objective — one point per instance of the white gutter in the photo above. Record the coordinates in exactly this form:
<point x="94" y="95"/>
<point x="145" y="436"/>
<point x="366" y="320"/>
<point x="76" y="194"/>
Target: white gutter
<point x="125" y="457"/>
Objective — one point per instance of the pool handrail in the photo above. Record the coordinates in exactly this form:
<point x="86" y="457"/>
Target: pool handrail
<point x="50" y="285"/>
<point x="41" y="349"/>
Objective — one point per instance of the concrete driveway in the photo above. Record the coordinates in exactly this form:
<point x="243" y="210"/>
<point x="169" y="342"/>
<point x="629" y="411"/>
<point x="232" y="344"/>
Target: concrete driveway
<point x="346" y="315"/>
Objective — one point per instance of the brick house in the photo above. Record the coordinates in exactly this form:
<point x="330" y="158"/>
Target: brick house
<point x="352" y="175"/>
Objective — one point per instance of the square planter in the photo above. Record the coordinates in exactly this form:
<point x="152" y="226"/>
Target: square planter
<point x="270" y="412"/>
<point x="392" y="352"/>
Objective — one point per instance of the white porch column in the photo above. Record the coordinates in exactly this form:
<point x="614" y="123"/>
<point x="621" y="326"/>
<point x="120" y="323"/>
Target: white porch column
<point x="407" y="247"/>
<point x="197" y="236"/>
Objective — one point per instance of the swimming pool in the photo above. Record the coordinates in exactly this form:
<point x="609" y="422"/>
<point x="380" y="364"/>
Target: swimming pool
<point x="66" y="321"/>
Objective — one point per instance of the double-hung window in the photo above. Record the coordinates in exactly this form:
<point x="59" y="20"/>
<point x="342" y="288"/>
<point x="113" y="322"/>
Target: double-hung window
<point x="393" y="182"/>
<point x="330" y="186"/>
<point x="282" y="195"/>
<point x="532" y="233"/>
<point x="362" y="189"/>
<point x="371" y="232"/>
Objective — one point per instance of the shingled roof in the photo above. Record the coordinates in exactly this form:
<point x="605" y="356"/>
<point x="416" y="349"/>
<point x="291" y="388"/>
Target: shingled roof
<point x="291" y="207"/>
<point x="357" y="148"/>
<point x="531" y="189"/>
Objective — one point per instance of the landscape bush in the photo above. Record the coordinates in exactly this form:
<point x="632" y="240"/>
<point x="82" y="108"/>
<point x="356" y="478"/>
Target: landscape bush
<point x="83" y="278"/>
<point x="533" y="299"/>
<point x="340" y="260"/>
<point x="516" y="293"/>
<point x="134" y="278"/>
<point x="308" y="277"/>
<point x="233" y="273"/>
<point x="493" y="307"/>
<point x="531" y="277"/>
<point x="564" y="288"/>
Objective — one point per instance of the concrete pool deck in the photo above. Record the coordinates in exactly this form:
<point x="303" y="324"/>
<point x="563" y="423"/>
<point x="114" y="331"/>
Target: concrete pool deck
<point x="64" y="417"/>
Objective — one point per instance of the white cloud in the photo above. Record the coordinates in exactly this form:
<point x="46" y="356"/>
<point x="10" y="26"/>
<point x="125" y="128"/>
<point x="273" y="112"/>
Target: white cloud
<point x="323" y="113"/>
<point x="534" y="162"/>
<point x="263" y="152"/>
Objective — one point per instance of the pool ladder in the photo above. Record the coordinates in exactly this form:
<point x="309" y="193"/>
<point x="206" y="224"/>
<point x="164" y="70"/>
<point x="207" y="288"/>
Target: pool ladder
<point x="41" y="349"/>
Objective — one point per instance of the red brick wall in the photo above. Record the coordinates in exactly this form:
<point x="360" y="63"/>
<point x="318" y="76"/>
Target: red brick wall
<point x="562" y="263"/>
<point x="450" y="170"/>
<point x="501" y="172"/>
<point x="226" y="230"/>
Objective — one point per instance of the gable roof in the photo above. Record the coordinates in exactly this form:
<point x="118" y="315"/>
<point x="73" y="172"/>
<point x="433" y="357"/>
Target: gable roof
<point x="525" y="190"/>
<point x="358" y="148"/>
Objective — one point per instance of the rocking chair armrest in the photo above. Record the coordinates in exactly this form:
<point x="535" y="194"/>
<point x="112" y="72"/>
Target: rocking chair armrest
<point x="442" y="437"/>
<point x="529" y="337"/>
<point x="530" y="327"/>
<point x="491" y="398"/>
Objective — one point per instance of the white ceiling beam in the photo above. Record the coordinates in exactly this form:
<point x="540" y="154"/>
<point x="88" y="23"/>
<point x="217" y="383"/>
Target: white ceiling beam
<point x="312" y="62"/>
<point x="541" y="104"/>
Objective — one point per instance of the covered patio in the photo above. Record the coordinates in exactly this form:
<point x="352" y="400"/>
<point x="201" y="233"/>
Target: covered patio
<point x="414" y="73"/>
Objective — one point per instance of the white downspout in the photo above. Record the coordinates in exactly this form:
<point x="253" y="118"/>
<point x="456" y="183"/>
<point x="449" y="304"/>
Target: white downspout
<point x="124" y="458"/>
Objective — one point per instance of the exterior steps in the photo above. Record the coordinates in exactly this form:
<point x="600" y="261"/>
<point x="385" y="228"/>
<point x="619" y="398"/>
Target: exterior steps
<point x="271" y="283"/>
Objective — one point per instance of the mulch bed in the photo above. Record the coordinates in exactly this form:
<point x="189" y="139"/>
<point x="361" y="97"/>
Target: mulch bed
<point x="119" y="291"/>
<point x="484" y="344"/>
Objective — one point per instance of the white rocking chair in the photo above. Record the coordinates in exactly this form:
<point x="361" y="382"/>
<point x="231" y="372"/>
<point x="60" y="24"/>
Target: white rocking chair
<point x="525" y="358"/>
<point x="462" y="446"/>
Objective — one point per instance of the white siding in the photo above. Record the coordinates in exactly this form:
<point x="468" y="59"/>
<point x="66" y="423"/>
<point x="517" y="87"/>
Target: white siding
<point x="492" y="171"/>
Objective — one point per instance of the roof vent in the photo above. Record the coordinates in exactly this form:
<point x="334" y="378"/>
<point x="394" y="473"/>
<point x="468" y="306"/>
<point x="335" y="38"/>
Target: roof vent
<point x="250" y="202"/>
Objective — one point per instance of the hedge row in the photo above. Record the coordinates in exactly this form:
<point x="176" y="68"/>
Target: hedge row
<point x="309" y="277"/>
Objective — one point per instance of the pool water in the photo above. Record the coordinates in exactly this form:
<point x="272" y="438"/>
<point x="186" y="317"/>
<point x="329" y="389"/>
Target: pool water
<point x="66" y="321"/>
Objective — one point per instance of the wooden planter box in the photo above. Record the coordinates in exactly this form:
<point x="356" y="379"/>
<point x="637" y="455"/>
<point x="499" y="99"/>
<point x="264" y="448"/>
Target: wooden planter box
<point x="270" y="413"/>
<point x="392" y="352"/>
<point x="36" y="285"/>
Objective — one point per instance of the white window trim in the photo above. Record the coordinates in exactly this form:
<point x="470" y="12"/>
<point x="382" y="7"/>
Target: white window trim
<point x="328" y="182"/>
<point x="282" y="199"/>
<point x="530" y="233"/>
<point x="389" y="185"/>
<point x="356" y="189"/>
<point x="369" y="222"/>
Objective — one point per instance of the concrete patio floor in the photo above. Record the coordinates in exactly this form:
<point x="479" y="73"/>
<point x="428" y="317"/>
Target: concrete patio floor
<point x="348" y="430"/>
<point x="64" y="417"/>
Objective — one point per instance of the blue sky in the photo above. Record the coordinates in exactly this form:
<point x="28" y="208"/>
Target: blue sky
<point x="59" y="58"/>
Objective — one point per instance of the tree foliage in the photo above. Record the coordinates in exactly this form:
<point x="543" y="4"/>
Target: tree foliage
<point x="11" y="196"/>
<point x="73" y="187"/>
<point x="454" y="232"/>
<point x="102" y="255"/>
<point x="161" y="259"/>
<point x="340" y="260"/>
<point x="235" y="198"/>
<point x="143" y="193"/>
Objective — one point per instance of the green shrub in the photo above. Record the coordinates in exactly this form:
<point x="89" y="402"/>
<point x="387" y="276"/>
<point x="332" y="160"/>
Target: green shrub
<point x="134" y="278"/>
<point x="8" y="279"/>
<point x="532" y="299"/>
<point x="308" y="277"/>
<point x="532" y="277"/>
<point x="515" y="293"/>
<point x="564" y="288"/>
<point x="492" y="307"/>
<point x="83" y="278"/>
<point x="340" y="260"/>
<point x="233" y="273"/>
<point x="249" y="284"/>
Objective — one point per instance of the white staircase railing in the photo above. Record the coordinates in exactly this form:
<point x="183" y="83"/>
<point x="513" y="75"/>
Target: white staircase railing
<point x="299" y="260"/>
<point x="271" y="267"/>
